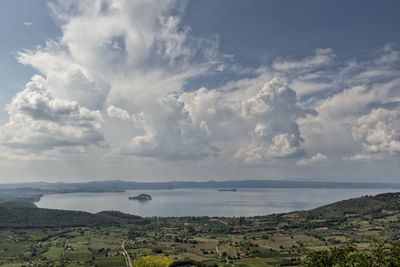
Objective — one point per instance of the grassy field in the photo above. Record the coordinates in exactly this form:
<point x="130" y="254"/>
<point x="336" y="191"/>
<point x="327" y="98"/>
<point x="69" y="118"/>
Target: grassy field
<point x="228" y="242"/>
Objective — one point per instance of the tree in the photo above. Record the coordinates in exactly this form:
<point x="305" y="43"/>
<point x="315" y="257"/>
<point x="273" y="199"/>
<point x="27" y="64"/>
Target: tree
<point x="348" y="255"/>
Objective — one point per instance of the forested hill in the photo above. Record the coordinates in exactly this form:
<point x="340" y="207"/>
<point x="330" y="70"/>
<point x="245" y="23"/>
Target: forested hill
<point x="14" y="215"/>
<point x="366" y="208"/>
<point x="366" y="205"/>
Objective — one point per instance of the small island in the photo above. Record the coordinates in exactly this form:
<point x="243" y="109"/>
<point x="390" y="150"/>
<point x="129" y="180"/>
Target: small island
<point x="141" y="197"/>
<point x="228" y="190"/>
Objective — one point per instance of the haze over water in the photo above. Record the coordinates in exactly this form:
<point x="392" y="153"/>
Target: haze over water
<point x="205" y="202"/>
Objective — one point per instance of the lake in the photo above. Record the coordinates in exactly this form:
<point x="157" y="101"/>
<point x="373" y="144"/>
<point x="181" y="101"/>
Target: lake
<point x="204" y="202"/>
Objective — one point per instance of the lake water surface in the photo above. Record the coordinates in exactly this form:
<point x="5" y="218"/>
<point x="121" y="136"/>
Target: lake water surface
<point x="204" y="202"/>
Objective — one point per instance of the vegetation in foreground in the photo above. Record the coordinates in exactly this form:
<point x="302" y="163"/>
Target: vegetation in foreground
<point x="348" y="255"/>
<point x="346" y="233"/>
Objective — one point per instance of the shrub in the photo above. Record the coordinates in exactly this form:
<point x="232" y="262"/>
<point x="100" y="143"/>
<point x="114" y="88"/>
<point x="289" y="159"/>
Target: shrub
<point x="348" y="255"/>
<point x="152" y="261"/>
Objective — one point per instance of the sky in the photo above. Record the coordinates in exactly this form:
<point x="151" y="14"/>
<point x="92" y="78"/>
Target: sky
<point x="199" y="90"/>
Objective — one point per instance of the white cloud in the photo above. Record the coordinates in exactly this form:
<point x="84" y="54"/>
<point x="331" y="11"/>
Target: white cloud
<point x="364" y="157"/>
<point x="321" y="57"/>
<point x="317" y="159"/>
<point x="379" y="131"/>
<point x="132" y="54"/>
<point x="118" y="113"/>
<point x="201" y="104"/>
<point x="272" y="114"/>
<point x="38" y="121"/>
<point x="351" y="101"/>
<point x="66" y="78"/>
<point x="170" y="133"/>
<point x="284" y="145"/>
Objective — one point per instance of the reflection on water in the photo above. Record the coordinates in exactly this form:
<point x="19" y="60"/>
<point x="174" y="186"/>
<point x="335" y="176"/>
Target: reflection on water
<point x="204" y="202"/>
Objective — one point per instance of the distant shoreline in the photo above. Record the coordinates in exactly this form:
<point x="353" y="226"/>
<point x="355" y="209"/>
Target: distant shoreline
<point x="118" y="185"/>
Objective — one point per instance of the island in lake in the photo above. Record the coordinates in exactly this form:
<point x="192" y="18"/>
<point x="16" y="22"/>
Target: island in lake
<point x="228" y="190"/>
<point x="141" y="197"/>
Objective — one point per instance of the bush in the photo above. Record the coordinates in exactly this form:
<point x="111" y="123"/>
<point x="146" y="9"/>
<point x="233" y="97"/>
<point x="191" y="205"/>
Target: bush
<point x="348" y="255"/>
<point x="152" y="261"/>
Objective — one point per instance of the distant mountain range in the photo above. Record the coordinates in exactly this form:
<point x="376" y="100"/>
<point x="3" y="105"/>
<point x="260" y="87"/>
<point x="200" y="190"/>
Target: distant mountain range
<point x="118" y="185"/>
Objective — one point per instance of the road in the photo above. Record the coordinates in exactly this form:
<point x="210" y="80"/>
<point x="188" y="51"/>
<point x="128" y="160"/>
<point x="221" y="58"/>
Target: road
<point x="126" y="255"/>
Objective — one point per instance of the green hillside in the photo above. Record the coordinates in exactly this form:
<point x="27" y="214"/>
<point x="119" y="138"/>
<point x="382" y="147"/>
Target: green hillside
<point x="14" y="215"/>
<point x="357" y="206"/>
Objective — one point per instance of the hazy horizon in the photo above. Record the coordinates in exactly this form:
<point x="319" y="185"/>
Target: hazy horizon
<point x="151" y="91"/>
<point x="218" y="182"/>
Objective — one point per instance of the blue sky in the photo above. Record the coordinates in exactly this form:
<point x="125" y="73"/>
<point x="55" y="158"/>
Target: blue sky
<point x="198" y="89"/>
<point x="256" y="33"/>
<point x="18" y="36"/>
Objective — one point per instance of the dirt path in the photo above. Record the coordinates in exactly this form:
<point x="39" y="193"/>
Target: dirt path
<point x="126" y="255"/>
<point x="217" y="250"/>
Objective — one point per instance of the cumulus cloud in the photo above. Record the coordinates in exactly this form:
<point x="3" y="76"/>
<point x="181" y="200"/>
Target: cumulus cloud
<point x="64" y="77"/>
<point x="171" y="134"/>
<point x="272" y="112"/>
<point x="284" y="145"/>
<point x="379" y="131"/>
<point x="317" y="159"/>
<point x="39" y="121"/>
<point x="118" y="113"/>
<point x="121" y="31"/>
<point x="132" y="54"/>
